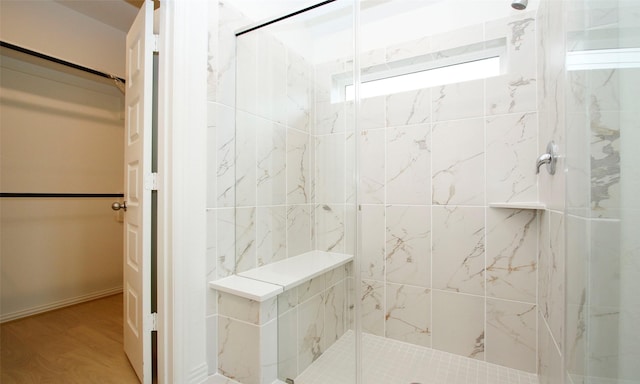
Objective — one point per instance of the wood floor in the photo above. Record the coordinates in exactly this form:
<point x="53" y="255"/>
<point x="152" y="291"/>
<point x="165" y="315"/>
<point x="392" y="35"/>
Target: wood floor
<point x="80" y="344"/>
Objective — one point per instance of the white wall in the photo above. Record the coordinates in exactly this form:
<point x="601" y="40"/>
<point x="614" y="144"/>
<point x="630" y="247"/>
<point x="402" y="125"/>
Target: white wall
<point x="58" y="133"/>
<point x="55" y="30"/>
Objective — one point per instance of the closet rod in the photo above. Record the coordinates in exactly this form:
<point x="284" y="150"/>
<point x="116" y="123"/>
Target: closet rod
<point x="58" y="61"/>
<point x="13" y="194"/>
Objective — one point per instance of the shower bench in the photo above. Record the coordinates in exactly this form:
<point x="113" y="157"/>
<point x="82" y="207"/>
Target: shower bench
<point x="249" y="315"/>
<point x="262" y="283"/>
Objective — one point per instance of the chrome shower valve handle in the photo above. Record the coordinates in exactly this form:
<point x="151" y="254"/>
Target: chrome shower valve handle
<point x="550" y="159"/>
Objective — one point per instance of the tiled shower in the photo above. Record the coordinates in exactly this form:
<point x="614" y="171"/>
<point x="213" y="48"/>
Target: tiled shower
<point x="438" y="264"/>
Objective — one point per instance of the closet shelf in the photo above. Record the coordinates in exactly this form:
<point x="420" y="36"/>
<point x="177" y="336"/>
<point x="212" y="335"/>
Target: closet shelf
<point x="519" y="205"/>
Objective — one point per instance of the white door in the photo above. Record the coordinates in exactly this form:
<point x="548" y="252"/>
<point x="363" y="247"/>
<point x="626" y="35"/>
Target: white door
<point x="137" y="223"/>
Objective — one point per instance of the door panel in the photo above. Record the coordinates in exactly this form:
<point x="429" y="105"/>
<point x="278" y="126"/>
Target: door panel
<point x="137" y="240"/>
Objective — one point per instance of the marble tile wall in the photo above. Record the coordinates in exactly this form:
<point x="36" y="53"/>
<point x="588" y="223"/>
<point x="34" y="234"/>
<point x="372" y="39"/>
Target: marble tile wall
<point x="600" y="254"/>
<point x="439" y="267"/>
<point x="247" y="332"/>
<point x="311" y="317"/>
<point x="552" y="221"/>
<point x="276" y="188"/>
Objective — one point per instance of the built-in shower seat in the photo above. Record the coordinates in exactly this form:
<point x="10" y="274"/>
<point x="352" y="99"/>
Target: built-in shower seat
<point x="262" y="283"/>
<point x="248" y="312"/>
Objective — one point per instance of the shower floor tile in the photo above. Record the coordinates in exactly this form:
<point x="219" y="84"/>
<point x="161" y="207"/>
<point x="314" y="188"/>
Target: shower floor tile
<point x="387" y="361"/>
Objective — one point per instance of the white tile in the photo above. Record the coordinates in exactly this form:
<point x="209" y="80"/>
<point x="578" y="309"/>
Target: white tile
<point x="457" y="101"/>
<point x="225" y="157"/>
<point x="330" y="227"/>
<point x="549" y="358"/>
<point x="245" y="234"/>
<point x="514" y="91"/>
<point x="458" y="324"/>
<point x="298" y="169"/>
<point x="271" y="234"/>
<point x="373" y="249"/>
<point x="512" y="254"/>
<point x="372" y="307"/>
<point x="225" y="242"/>
<point x="269" y="352"/>
<point x="408" y="314"/>
<point x="372" y="113"/>
<point x="408" y="108"/>
<point x="511" y="334"/>
<point x="246" y="65"/>
<point x="270" y="163"/>
<point x="408" y="256"/>
<point x="408" y="50"/>
<point x="510" y="158"/>
<point x="407" y="165"/>
<point x="245" y="162"/>
<point x="335" y="312"/>
<point x="459" y="249"/>
<point x="310" y="331"/>
<point x="372" y="166"/>
<point x="239" y="358"/>
<point x="300" y="99"/>
<point x="605" y="263"/>
<point x="457" y="38"/>
<point x="458" y="162"/>
<point x="288" y="343"/>
<point x="271" y="78"/>
<point x="212" y="340"/>
<point x="250" y="311"/>
<point x="576" y="304"/>
<point x="556" y="288"/>
<point x="330" y="171"/>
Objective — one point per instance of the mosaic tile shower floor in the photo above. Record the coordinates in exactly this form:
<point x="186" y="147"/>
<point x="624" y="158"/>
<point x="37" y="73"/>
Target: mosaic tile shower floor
<point x="388" y="361"/>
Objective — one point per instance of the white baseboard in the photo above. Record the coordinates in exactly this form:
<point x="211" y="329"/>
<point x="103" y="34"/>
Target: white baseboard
<point x="58" y="304"/>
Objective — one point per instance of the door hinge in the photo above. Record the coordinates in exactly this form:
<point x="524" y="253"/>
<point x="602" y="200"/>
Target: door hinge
<point x="151" y="322"/>
<point x="156" y="43"/>
<point x="151" y="181"/>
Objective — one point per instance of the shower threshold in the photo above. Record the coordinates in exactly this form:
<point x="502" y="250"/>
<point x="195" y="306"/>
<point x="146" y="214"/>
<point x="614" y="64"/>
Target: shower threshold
<point x="386" y="361"/>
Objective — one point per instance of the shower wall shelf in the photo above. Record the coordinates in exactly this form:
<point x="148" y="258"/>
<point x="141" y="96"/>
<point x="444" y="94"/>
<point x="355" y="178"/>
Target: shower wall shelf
<point x="263" y="283"/>
<point x="519" y="205"/>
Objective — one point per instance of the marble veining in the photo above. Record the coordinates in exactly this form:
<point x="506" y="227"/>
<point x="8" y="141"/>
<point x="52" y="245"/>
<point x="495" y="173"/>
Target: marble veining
<point x="407" y="166"/>
<point x="245" y="255"/>
<point x="271" y="234"/>
<point x="297" y="167"/>
<point x="408" y="108"/>
<point x="605" y="163"/>
<point x="330" y="228"/>
<point x="518" y="31"/>
<point x="459" y="249"/>
<point x="225" y="157"/>
<point x="457" y="172"/>
<point x="372" y="308"/>
<point x="511" y="334"/>
<point x="270" y="164"/>
<point x="511" y="144"/>
<point x="408" y="314"/>
<point x="511" y="258"/>
<point x="407" y="245"/>
<point x="372" y="166"/>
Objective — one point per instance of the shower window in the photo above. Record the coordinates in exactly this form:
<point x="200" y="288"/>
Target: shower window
<point x="472" y="62"/>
